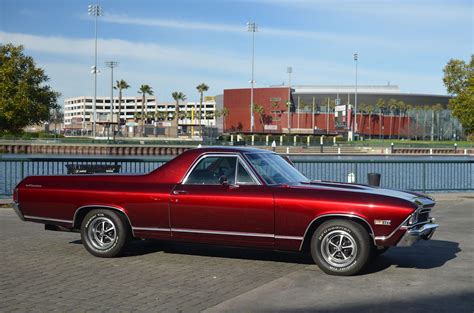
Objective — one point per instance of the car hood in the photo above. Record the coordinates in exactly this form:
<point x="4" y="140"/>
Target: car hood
<point x="417" y="198"/>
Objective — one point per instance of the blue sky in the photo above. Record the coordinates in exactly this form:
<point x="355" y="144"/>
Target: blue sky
<point x="175" y="45"/>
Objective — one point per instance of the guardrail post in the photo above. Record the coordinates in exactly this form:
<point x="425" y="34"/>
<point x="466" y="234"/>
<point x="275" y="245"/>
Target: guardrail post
<point x="22" y="171"/>
<point x="423" y="175"/>
<point x="391" y="148"/>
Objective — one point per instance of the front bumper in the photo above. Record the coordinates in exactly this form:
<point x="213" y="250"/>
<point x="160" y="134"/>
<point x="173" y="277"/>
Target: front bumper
<point x="16" y="208"/>
<point x="416" y="233"/>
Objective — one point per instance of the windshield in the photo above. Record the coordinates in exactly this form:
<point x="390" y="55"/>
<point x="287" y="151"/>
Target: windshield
<point x="274" y="169"/>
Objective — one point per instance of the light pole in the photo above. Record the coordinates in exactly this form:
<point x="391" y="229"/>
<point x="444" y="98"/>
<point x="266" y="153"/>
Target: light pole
<point x="356" y="57"/>
<point x="253" y="28"/>
<point x="289" y="70"/>
<point x="94" y="10"/>
<point x="112" y="64"/>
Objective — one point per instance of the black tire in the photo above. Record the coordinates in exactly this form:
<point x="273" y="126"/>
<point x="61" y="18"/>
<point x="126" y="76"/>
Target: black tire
<point x="379" y="251"/>
<point x="341" y="247"/>
<point x="104" y="233"/>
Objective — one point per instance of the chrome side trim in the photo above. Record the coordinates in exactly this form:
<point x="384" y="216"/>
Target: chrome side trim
<point x="289" y="237"/>
<point x="212" y="232"/>
<point x="230" y="233"/>
<point x="151" y="229"/>
<point x="16" y="208"/>
<point x="47" y="219"/>
<point x="372" y="234"/>
<point x="103" y="206"/>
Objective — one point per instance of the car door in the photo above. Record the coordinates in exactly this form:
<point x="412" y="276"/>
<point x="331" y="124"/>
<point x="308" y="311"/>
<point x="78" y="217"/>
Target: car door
<point x="221" y="201"/>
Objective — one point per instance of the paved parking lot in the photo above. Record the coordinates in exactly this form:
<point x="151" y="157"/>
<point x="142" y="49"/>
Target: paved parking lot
<point x="51" y="271"/>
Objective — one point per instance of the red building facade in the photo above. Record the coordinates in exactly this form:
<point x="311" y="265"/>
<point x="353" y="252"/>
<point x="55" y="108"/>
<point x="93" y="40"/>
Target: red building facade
<point x="273" y="116"/>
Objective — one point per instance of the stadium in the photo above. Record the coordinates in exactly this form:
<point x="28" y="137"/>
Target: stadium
<point x="382" y="111"/>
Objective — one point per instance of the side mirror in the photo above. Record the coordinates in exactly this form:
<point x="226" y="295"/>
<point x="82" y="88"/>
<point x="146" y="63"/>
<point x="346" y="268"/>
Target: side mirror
<point x="223" y="181"/>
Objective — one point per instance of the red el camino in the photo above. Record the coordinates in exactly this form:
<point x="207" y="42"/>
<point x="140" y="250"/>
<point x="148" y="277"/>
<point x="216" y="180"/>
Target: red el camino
<point x="230" y="196"/>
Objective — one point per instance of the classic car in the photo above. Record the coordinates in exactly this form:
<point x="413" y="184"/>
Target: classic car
<point x="230" y="196"/>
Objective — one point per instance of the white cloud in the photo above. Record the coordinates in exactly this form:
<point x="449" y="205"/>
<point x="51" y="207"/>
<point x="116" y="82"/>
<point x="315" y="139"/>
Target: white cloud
<point x="419" y="12"/>
<point x="170" y="68"/>
<point x="333" y="38"/>
<point x="182" y="57"/>
<point x="169" y="23"/>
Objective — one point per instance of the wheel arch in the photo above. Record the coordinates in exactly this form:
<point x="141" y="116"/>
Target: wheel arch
<point x="316" y="222"/>
<point x="82" y="211"/>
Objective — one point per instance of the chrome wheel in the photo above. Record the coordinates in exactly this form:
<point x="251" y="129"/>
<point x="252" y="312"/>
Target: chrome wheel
<point x="338" y="248"/>
<point x="102" y="233"/>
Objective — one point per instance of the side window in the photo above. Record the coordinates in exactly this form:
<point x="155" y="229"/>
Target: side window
<point x="243" y="177"/>
<point x="210" y="169"/>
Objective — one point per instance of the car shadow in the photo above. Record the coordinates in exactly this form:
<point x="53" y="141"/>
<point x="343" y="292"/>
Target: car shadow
<point x="422" y="255"/>
<point x="140" y="247"/>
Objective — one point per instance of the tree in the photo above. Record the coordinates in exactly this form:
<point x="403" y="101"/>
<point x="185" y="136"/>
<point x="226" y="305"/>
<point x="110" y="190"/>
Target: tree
<point x="177" y="96"/>
<point x="362" y="110"/>
<point x="459" y="82"/>
<point x="224" y="113"/>
<point x="25" y="98"/>
<point x="330" y="105"/>
<point x="260" y="111"/>
<point x="120" y="85"/>
<point x="56" y="117"/>
<point x="408" y="109"/>
<point x="436" y="110"/>
<point x="380" y="104"/>
<point x="144" y="90"/>
<point x="392" y="107"/>
<point x="370" y="110"/>
<point x="426" y="109"/>
<point x="401" y="109"/>
<point x="201" y="89"/>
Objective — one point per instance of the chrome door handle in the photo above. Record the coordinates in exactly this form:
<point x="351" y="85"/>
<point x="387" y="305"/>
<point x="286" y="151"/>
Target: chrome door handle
<point x="180" y="192"/>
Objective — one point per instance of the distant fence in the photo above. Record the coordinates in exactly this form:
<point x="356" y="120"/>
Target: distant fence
<point x="417" y="175"/>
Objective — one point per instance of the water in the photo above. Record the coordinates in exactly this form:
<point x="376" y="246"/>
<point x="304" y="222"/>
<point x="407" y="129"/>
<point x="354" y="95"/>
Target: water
<point x="420" y="172"/>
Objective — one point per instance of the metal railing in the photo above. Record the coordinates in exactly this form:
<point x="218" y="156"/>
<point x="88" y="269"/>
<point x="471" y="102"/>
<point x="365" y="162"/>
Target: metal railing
<point x="417" y="175"/>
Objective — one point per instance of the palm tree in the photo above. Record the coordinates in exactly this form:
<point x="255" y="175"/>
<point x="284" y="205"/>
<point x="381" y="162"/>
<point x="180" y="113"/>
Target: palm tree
<point x="362" y="110"/>
<point x="392" y="106"/>
<point x="201" y="88"/>
<point x="401" y="107"/>
<point x="436" y="110"/>
<point x="260" y="111"/>
<point x="177" y="96"/>
<point x="370" y="110"/>
<point x="330" y="105"/>
<point x="120" y="85"/>
<point x="408" y="109"/>
<point x="417" y="109"/>
<point x="426" y="108"/>
<point x="144" y="90"/>
<point x="380" y="104"/>
<point x="224" y="113"/>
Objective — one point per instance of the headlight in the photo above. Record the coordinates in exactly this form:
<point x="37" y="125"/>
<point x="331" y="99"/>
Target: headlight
<point x="414" y="218"/>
